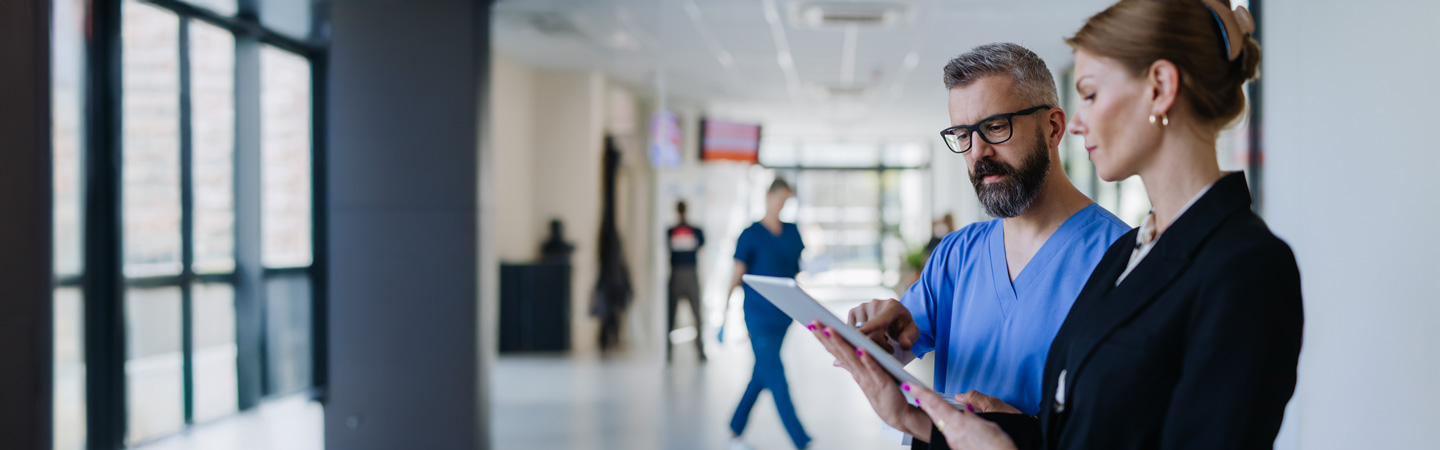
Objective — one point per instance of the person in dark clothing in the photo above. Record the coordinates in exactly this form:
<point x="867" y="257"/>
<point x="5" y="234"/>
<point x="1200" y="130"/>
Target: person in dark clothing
<point x="556" y="248"/>
<point x="684" y="241"/>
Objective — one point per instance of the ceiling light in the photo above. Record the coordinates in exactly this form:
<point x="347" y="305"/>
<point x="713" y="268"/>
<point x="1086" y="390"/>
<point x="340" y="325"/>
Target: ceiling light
<point x="839" y="15"/>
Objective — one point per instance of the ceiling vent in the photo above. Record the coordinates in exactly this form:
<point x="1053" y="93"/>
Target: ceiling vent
<point x="841" y="15"/>
<point x="555" y="24"/>
<point x="563" y="26"/>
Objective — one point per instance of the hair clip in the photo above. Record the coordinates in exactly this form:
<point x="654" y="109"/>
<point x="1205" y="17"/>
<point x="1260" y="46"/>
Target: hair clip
<point x="1230" y="22"/>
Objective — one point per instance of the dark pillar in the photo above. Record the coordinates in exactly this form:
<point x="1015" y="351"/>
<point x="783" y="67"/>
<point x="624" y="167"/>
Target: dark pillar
<point x="405" y="361"/>
<point x="25" y="214"/>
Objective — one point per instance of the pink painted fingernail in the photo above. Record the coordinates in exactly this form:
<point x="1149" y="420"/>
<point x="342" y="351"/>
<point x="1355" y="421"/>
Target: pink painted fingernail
<point x="860" y="352"/>
<point x="811" y="327"/>
<point x="827" y="332"/>
<point x="917" y="401"/>
<point x="905" y="387"/>
<point x="971" y="408"/>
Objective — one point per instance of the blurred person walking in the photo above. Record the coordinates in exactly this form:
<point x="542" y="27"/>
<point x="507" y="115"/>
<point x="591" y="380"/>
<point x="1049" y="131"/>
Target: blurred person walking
<point x="684" y="241"/>
<point x="772" y="248"/>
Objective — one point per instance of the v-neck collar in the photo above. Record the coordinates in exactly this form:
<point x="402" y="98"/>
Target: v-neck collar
<point x="1009" y="293"/>
<point x="771" y="233"/>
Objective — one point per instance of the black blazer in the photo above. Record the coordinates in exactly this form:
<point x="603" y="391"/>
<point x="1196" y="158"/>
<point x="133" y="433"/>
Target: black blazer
<point x="1196" y="349"/>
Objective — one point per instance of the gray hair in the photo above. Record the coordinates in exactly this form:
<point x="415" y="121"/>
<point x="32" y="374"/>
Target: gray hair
<point x="1033" y="80"/>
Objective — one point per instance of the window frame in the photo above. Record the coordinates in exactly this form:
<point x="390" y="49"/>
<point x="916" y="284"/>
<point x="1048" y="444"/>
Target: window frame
<point x="102" y="277"/>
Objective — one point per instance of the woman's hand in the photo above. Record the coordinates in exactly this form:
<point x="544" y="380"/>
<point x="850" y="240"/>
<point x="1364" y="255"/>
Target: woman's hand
<point x="962" y="429"/>
<point x="875" y="382"/>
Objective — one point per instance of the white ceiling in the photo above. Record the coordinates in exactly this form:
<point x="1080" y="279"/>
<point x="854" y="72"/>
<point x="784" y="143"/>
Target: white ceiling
<point x="693" y="40"/>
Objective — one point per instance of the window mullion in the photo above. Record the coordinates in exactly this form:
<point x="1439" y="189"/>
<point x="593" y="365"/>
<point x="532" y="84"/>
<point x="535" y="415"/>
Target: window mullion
<point x="249" y="282"/>
<point x="187" y="226"/>
<point x="103" y="281"/>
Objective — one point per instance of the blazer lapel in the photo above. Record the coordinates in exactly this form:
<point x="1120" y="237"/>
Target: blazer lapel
<point x="1102" y="280"/>
<point x="1114" y="306"/>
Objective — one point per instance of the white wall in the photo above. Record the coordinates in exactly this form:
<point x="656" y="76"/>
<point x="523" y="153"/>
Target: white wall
<point x="1350" y="90"/>
<point x="626" y="118"/>
<point x="689" y="182"/>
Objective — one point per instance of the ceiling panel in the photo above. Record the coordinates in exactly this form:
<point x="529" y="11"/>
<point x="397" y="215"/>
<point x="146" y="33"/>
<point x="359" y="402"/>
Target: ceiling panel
<point x="629" y="39"/>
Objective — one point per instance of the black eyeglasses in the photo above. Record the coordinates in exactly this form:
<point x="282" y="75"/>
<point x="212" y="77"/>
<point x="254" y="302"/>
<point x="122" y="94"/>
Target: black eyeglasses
<point x="995" y="129"/>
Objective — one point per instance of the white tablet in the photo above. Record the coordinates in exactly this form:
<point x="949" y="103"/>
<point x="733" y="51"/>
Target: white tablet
<point x="785" y="294"/>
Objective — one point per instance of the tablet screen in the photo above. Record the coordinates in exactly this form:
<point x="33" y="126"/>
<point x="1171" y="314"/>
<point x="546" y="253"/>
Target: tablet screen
<point x="785" y="294"/>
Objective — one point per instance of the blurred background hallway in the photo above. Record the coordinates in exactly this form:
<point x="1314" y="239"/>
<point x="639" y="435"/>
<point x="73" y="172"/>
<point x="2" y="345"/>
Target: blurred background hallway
<point x="379" y="224"/>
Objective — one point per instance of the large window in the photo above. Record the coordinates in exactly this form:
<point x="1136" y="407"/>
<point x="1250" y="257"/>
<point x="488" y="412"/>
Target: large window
<point x="150" y="214"/>
<point x="862" y="206"/>
<point x="212" y="137"/>
<point x="286" y="241"/>
<point x="285" y="153"/>
<point x="212" y="125"/>
<point x="212" y="231"/>
<point x="68" y="108"/>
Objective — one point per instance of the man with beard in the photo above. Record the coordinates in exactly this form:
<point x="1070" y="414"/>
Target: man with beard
<point x="994" y="293"/>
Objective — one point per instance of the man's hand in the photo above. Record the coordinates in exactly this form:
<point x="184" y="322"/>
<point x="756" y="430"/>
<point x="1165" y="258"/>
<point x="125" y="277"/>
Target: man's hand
<point x="883" y="320"/>
<point x="985" y="403"/>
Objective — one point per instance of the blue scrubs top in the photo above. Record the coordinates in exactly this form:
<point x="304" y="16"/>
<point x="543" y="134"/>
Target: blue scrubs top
<point x="764" y="253"/>
<point x="992" y="335"/>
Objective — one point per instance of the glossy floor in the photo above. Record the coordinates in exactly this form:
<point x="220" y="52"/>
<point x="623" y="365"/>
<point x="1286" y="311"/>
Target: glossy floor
<point x="640" y="403"/>
<point x="633" y="402"/>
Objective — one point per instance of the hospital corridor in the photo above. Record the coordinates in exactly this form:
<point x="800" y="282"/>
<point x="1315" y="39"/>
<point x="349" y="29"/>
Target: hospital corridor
<point x="523" y="224"/>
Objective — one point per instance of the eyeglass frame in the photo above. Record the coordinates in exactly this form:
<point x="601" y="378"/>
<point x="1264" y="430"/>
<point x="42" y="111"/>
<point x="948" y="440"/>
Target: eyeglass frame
<point x="972" y="129"/>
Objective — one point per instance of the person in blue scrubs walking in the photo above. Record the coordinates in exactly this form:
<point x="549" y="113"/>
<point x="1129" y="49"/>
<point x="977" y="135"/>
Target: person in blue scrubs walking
<point x="772" y="248"/>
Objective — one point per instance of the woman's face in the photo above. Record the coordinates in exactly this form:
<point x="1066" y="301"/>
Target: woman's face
<point x="775" y="201"/>
<point x="1113" y="116"/>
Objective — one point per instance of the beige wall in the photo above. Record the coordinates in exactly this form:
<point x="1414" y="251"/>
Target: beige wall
<point x="548" y="129"/>
<point x="511" y="117"/>
<point x="566" y="179"/>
